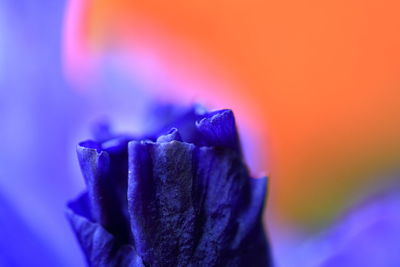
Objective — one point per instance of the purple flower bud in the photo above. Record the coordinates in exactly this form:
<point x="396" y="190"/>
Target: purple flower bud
<point x="183" y="197"/>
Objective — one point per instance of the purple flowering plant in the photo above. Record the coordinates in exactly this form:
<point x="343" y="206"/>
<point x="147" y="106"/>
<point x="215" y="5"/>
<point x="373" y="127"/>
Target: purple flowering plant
<point x="179" y="196"/>
<point x="136" y="184"/>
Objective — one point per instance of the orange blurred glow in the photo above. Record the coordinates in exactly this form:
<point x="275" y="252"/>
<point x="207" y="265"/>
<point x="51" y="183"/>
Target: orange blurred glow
<point x="320" y="79"/>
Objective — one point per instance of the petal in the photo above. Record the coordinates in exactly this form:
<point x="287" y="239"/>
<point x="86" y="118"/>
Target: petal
<point x="195" y="206"/>
<point x="160" y="202"/>
<point x="230" y="207"/>
<point x="101" y="248"/>
<point x="219" y="129"/>
<point x="105" y="173"/>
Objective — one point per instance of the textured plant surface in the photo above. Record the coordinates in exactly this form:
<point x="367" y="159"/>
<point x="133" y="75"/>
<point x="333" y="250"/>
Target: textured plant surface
<point x="180" y="196"/>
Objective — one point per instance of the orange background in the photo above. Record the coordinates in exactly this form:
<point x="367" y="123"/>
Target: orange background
<point x="317" y="81"/>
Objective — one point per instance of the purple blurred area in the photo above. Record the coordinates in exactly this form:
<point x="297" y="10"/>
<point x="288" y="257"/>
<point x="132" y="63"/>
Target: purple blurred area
<point x="42" y="119"/>
<point x="38" y="115"/>
<point x="368" y="235"/>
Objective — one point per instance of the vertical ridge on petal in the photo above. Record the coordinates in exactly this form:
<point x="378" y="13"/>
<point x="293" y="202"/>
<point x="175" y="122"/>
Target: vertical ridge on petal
<point x="229" y="212"/>
<point x="101" y="248"/>
<point x="160" y="203"/>
<point x="104" y="173"/>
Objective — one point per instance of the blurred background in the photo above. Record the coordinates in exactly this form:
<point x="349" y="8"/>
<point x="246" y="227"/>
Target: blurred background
<point x="314" y="86"/>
